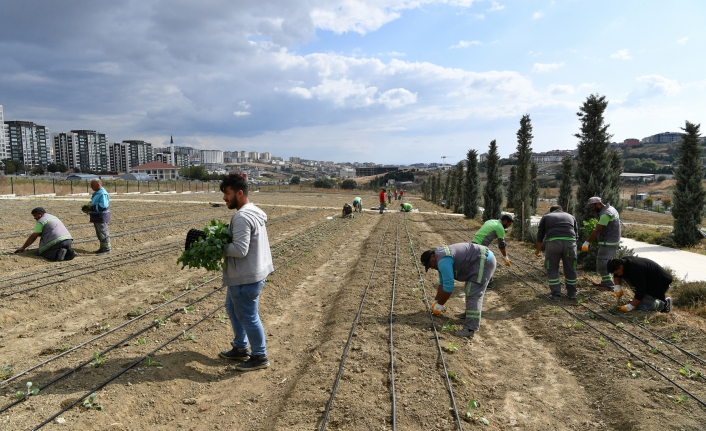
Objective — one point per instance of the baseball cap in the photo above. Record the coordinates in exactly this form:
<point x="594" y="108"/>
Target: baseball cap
<point x="426" y="257"/>
<point x="593" y="200"/>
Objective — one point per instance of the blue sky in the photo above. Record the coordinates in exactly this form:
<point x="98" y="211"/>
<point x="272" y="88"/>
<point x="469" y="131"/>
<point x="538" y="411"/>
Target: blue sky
<point x="386" y="81"/>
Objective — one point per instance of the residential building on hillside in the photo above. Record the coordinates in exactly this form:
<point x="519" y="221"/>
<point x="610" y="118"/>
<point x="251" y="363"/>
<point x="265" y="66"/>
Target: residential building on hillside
<point x="211" y="157"/>
<point x="662" y="138"/>
<point x="266" y="156"/>
<point x="92" y="150"/>
<point x="126" y="155"/>
<point x="254" y="155"/>
<point x="295" y="160"/>
<point x="27" y="143"/>
<point x="631" y="142"/>
<point x="346" y="173"/>
<point x="65" y="149"/>
<point x="157" y="171"/>
<point x="4" y="149"/>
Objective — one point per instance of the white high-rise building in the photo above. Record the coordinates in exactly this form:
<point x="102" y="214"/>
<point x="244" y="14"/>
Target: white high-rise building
<point x="254" y="155"/>
<point x="4" y="153"/>
<point x="265" y="156"/>
<point x="66" y="149"/>
<point x="211" y="156"/>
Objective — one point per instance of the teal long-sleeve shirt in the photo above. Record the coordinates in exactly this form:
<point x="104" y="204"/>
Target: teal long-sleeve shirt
<point x="445" y="267"/>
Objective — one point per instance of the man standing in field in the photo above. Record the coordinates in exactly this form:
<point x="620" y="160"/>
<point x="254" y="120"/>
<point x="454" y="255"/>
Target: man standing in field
<point x="248" y="262"/>
<point x="56" y="241"/>
<point x="649" y="281"/>
<point x="389" y="197"/>
<point x="382" y="200"/>
<point x="99" y="212"/>
<point x="471" y="263"/>
<point x="358" y="204"/>
<point x="395" y="193"/>
<point x="608" y="234"/>
<point x="561" y="232"/>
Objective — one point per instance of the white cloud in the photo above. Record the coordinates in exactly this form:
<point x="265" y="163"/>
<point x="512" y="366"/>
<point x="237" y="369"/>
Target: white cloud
<point x="397" y="97"/>
<point x="465" y="44"/>
<point x="683" y="40"/>
<point x="394" y="54"/>
<point x="244" y="104"/>
<point x="546" y="67"/>
<point x="622" y="54"/>
<point x="478" y="16"/>
<point x="560" y="90"/>
<point x="537" y="14"/>
<point x="660" y="84"/>
<point x="495" y="6"/>
<point x="240" y="113"/>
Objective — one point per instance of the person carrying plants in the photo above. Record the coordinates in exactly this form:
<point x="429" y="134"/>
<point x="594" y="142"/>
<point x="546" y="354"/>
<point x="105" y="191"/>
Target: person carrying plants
<point x="494" y="229"/>
<point x="471" y="263"/>
<point x="405" y="207"/>
<point x="649" y="281"/>
<point x="607" y="233"/>
<point x="561" y="232"/>
<point x="358" y="204"/>
<point x="99" y="212"/>
<point x="56" y="241"/>
<point x="248" y="263"/>
<point x="382" y="200"/>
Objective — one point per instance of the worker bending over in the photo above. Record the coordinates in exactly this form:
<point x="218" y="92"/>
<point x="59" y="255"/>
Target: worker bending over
<point x="649" y="281"/>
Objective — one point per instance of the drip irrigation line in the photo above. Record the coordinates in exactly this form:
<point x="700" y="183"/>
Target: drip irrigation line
<point x="433" y="325"/>
<point x="350" y="335"/>
<point x="135" y="319"/>
<point x="140" y="259"/>
<point x="313" y="244"/>
<point x="300" y="238"/>
<point x="105" y="351"/>
<point x="129" y="367"/>
<point x="393" y="396"/>
<point x="653" y="368"/>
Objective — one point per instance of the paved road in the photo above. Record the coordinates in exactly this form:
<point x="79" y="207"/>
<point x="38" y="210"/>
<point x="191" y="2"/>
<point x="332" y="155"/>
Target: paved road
<point x="688" y="266"/>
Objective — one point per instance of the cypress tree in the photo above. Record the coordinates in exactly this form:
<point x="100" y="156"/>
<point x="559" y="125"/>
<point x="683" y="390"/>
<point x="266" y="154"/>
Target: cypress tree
<point x="534" y="186"/>
<point x="437" y="189"/>
<point x="612" y="194"/>
<point x="522" y="185"/>
<point x="565" y="189"/>
<point x="447" y="189"/>
<point x="493" y="192"/>
<point x="458" y="187"/>
<point x="511" y="187"/>
<point x="432" y="189"/>
<point x="472" y="185"/>
<point x="593" y="173"/>
<point x="689" y="196"/>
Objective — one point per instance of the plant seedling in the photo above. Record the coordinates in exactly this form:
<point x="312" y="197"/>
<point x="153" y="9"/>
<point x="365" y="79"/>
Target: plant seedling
<point x="98" y="360"/>
<point x="634" y="372"/>
<point x="90" y="403"/>
<point x="160" y="321"/>
<point x="150" y="363"/>
<point x="678" y="400"/>
<point x="448" y="327"/>
<point x="188" y="285"/>
<point x="619" y="324"/>
<point x="602" y="342"/>
<point x="455" y="377"/>
<point x="474" y="411"/>
<point x="141" y="341"/>
<point x="6" y="372"/>
<point x="554" y="310"/>
<point x="189" y="308"/>
<point x="165" y="298"/>
<point x="136" y="312"/>
<point x="675" y="338"/>
<point x="221" y="318"/>
<point x="104" y="327"/>
<point x="655" y="350"/>
<point x="21" y="394"/>
<point x="688" y="372"/>
<point x="589" y="315"/>
<point x="62" y="348"/>
<point x="189" y="336"/>
<point x="452" y="347"/>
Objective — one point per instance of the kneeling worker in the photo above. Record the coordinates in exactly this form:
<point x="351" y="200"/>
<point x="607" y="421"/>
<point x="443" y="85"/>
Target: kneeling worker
<point x="650" y="283"/>
<point x="347" y="210"/>
<point x="405" y="207"/>
<point x="56" y="241"/>
<point x="468" y="262"/>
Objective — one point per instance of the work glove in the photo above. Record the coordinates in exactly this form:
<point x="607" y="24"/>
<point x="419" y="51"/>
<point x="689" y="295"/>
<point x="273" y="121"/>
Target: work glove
<point x="584" y="247"/>
<point x="618" y="290"/>
<point x="626" y="308"/>
<point x="437" y="309"/>
<point x="507" y="261"/>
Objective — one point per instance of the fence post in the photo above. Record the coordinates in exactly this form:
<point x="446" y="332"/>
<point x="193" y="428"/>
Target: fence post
<point x="34" y="185"/>
<point x="148" y="187"/>
<point x="138" y="186"/>
<point x="127" y="186"/>
<point x="72" y="186"/>
<point x="53" y="185"/>
<point x="115" y="187"/>
<point x="86" y="186"/>
<point x="157" y="185"/>
<point x="12" y="185"/>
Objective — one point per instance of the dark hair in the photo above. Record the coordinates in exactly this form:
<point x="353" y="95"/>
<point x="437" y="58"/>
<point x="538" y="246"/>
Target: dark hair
<point x="506" y="217"/>
<point x="614" y="265"/>
<point x="38" y="210"/>
<point x="235" y="182"/>
<point x="554" y="208"/>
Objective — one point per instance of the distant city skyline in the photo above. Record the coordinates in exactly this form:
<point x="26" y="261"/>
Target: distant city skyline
<point x="386" y="81"/>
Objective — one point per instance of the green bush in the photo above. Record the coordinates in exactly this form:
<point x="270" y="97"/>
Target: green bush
<point x="691" y="296"/>
<point x="349" y="184"/>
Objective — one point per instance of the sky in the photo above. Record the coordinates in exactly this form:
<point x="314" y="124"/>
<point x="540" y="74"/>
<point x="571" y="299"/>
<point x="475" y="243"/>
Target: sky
<point x="383" y="81"/>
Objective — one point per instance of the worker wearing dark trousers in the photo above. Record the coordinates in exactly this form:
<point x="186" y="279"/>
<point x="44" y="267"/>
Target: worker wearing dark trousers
<point x="100" y="215"/>
<point x="561" y="232"/>
<point x="382" y="200"/>
<point x="649" y="281"/>
<point x="607" y="233"/>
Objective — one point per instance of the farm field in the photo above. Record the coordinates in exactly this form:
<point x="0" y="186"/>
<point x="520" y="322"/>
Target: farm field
<point x="533" y="365"/>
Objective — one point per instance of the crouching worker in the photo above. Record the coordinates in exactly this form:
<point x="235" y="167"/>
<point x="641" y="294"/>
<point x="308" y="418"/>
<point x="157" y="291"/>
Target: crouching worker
<point x="649" y="281"/>
<point x="405" y="207"/>
<point x="358" y="204"/>
<point x="347" y="210"/>
<point x="56" y="241"/>
<point x="248" y="262"/>
<point x="471" y="263"/>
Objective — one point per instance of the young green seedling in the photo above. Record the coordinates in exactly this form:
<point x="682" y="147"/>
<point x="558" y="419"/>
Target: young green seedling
<point x="150" y="363"/>
<point x="221" y="318"/>
<point x="189" y="308"/>
<point x="188" y="285"/>
<point x="98" y="360"/>
<point x="475" y="412"/>
<point x="90" y="403"/>
<point x="452" y="347"/>
<point x="141" y="341"/>
<point x="104" y="327"/>
<point x="602" y="342"/>
<point x="634" y="372"/>
<point x="554" y="310"/>
<point x="165" y="298"/>
<point x="21" y="394"/>
<point x="136" y="312"/>
<point x="188" y="336"/>
<point x="62" y="348"/>
<point x="655" y="350"/>
<point x="160" y="321"/>
<point x="6" y="372"/>
<point x="688" y="372"/>
<point x="619" y="324"/>
<point x="678" y="400"/>
<point x="589" y="315"/>
<point x="448" y="327"/>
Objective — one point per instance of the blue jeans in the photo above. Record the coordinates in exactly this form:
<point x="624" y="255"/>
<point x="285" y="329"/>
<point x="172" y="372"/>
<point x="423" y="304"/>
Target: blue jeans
<point x="242" y="306"/>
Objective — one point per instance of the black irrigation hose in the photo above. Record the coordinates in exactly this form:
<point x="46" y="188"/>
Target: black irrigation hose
<point x="66" y="352"/>
<point x="608" y="337"/>
<point x="140" y="259"/>
<point x="350" y="335"/>
<point x="129" y="367"/>
<point x="301" y="237"/>
<point x="433" y="325"/>
<point x="105" y="351"/>
<point x="392" y="310"/>
<point x="314" y="243"/>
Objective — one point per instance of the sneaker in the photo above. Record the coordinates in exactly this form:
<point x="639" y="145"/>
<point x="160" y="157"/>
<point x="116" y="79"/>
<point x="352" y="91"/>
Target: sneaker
<point x="465" y="333"/>
<point x="60" y="255"/>
<point x="571" y="296"/>
<point x="255" y="362"/>
<point x="102" y="251"/>
<point x="461" y="316"/>
<point x="667" y="305"/>
<point x="70" y="254"/>
<point x="555" y="298"/>
<point x="236" y="354"/>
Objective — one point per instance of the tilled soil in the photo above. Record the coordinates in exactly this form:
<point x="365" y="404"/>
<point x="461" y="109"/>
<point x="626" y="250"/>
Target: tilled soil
<point x="530" y="367"/>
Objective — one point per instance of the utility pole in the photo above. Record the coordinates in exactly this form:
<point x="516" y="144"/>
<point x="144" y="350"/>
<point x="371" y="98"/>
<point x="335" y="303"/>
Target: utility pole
<point x="443" y="160"/>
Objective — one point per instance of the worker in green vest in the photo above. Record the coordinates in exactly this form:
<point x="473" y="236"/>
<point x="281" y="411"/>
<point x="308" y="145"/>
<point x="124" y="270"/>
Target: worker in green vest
<point x="405" y="207"/>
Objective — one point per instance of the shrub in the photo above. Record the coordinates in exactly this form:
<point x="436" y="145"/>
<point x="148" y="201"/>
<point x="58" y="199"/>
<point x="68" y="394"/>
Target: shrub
<point x="661" y="178"/>
<point x="349" y="184"/>
<point x="323" y="183"/>
<point x="691" y="296"/>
